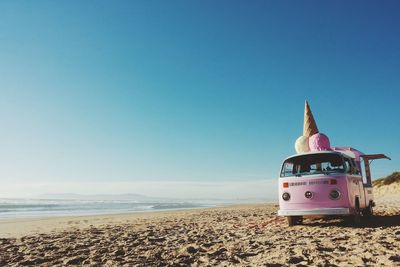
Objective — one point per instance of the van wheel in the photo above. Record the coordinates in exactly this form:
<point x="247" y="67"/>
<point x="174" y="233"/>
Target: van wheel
<point x="357" y="214"/>
<point x="290" y="220"/>
<point x="369" y="211"/>
<point x="294" y="220"/>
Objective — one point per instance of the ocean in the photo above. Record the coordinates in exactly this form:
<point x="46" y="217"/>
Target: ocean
<point x="28" y="208"/>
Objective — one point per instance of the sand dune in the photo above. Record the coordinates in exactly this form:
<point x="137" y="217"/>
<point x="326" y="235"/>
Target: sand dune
<point x="242" y="235"/>
<point x="387" y="194"/>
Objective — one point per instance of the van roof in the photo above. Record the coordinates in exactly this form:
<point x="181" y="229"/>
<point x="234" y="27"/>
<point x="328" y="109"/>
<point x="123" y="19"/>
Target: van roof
<point x="350" y="153"/>
<point x="314" y="153"/>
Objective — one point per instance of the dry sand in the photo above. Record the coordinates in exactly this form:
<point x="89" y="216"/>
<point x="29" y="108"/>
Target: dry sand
<point x="248" y="235"/>
<point x="387" y="194"/>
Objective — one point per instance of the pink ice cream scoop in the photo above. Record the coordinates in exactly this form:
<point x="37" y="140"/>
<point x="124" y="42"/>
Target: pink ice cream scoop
<point x="318" y="142"/>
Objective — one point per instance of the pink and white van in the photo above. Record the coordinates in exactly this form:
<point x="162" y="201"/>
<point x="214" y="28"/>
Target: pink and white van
<point x="331" y="182"/>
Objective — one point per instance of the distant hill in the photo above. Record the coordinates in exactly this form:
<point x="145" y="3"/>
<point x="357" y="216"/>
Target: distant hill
<point x="390" y="179"/>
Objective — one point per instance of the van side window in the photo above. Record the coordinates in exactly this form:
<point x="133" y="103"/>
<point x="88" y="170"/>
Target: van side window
<point x="356" y="170"/>
<point x="351" y="166"/>
<point x="347" y="165"/>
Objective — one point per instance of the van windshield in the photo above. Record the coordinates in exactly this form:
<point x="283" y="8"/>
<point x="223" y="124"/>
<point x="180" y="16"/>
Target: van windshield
<point x="313" y="164"/>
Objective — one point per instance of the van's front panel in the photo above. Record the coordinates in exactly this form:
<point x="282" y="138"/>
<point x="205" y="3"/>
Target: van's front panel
<point x="314" y="195"/>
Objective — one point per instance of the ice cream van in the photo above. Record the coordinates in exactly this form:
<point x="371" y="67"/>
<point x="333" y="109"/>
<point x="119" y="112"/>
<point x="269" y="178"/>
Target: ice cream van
<point x="333" y="182"/>
<point x="323" y="180"/>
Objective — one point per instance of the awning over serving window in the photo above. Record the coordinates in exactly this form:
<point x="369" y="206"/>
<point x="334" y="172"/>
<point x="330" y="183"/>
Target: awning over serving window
<point x="375" y="156"/>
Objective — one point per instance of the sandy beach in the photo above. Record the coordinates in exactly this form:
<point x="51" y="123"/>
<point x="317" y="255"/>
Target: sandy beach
<point x="247" y="235"/>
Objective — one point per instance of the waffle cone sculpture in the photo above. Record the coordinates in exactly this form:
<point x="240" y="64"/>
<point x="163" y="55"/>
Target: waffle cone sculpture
<point x="310" y="126"/>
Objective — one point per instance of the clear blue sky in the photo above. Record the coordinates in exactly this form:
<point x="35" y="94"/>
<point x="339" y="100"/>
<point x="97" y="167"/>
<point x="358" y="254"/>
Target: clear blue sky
<point x="191" y="90"/>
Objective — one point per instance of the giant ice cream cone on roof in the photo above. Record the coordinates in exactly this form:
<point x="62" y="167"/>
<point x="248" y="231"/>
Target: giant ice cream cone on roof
<point x="312" y="139"/>
<point x="310" y="126"/>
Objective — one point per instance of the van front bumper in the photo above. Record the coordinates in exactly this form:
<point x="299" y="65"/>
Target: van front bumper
<point x="327" y="211"/>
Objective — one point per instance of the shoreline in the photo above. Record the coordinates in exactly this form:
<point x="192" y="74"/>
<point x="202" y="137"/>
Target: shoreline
<point x="19" y="227"/>
<point x="44" y="208"/>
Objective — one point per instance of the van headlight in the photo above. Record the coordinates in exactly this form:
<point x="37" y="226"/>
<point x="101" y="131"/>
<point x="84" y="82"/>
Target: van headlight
<point x="308" y="194"/>
<point x="334" y="194"/>
<point x="286" y="196"/>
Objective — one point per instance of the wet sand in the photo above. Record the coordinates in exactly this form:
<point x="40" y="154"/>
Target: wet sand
<point x="248" y="235"/>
